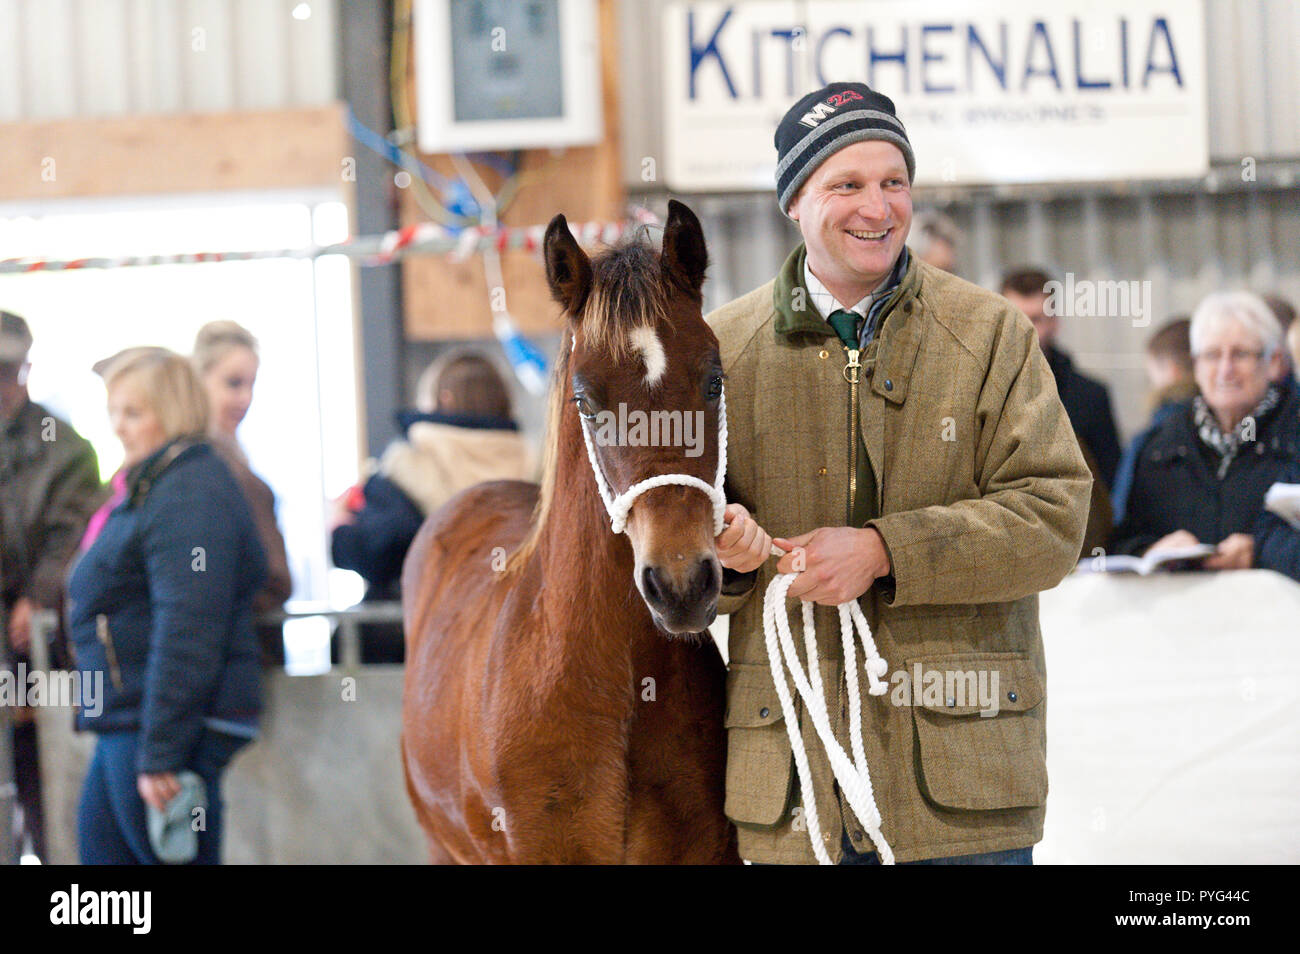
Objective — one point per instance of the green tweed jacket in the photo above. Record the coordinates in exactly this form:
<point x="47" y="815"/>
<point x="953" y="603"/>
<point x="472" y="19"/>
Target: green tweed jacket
<point x="981" y="496"/>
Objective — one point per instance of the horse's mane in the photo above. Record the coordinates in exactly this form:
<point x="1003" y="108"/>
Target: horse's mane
<point x="627" y="292"/>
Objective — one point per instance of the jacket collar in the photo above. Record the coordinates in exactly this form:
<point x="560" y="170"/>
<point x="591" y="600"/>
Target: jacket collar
<point x="900" y="322"/>
<point x="140" y="478"/>
<point x="483" y="422"/>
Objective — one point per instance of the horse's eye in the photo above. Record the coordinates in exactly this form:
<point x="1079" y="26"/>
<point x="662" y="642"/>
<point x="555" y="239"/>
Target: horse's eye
<point x="585" y="407"/>
<point x="715" y="387"/>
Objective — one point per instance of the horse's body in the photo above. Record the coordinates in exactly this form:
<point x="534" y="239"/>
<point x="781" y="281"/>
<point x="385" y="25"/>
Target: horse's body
<point x="547" y="717"/>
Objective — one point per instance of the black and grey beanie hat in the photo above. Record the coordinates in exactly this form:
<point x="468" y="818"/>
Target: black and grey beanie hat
<point x="824" y="122"/>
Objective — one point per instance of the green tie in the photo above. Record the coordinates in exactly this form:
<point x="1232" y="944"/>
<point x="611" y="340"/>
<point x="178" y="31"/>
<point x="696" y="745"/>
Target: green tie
<point x="845" y="324"/>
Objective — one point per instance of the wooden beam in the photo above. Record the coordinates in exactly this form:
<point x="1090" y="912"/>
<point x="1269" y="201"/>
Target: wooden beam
<point x="189" y="152"/>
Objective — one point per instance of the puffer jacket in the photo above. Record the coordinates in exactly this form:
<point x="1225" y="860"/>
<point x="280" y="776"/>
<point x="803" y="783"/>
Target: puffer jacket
<point x="161" y="606"/>
<point x="1176" y="487"/>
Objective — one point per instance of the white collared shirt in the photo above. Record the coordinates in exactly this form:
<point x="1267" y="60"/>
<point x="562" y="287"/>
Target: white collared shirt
<point x="825" y="301"/>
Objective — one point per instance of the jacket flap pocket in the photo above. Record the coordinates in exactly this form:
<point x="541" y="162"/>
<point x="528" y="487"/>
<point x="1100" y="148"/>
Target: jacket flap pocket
<point x="751" y="697"/>
<point x="966" y="684"/>
<point x="760" y="765"/>
<point x="981" y="755"/>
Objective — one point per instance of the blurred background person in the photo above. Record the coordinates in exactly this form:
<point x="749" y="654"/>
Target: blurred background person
<point x="461" y="433"/>
<point x="935" y="239"/>
<point x="1293" y="345"/>
<point x="1087" y="402"/>
<point x="1284" y="312"/>
<point x="1277" y="543"/>
<point x="160" y="609"/>
<point x="1202" y="474"/>
<point x="225" y="355"/>
<point x="1172" y="381"/>
<point x="49" y="487"/>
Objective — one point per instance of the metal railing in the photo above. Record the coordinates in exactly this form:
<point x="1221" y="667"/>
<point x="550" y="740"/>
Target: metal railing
<point x="346" y="623"/>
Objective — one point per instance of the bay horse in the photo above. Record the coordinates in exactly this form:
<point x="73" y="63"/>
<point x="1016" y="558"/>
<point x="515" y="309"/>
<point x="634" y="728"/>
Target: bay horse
<point x="563" y="702"/>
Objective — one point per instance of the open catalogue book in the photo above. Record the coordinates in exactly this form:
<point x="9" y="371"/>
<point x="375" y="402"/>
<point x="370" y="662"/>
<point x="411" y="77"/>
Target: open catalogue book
<point x="1170" y="559"/>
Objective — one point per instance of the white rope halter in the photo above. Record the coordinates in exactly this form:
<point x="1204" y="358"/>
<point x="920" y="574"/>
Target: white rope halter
<point x="619" y="507"/>
<point x="853" y="776"/>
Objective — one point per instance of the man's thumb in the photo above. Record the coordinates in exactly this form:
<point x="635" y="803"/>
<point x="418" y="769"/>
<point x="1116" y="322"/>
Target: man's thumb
<point x="788" y="543"/>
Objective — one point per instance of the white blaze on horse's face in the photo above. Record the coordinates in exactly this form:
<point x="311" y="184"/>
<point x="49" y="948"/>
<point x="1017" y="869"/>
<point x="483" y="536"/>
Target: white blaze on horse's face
<point x="646" y="341"/>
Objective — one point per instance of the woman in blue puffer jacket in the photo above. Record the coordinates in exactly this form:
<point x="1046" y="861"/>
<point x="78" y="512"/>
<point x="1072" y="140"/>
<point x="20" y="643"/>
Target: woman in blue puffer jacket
<point x="160" y="616"/>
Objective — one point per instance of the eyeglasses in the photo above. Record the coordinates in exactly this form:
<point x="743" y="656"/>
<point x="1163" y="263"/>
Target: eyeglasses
<point x="1236" y="356"/>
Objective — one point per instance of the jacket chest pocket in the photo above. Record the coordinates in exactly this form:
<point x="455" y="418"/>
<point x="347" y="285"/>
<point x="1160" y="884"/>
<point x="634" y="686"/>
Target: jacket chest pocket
<point x="980" y="730"/>
<point x="760" y="764"/>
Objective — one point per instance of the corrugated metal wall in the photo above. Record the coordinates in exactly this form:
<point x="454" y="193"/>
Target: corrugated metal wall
<point x="1186" y="239"/>
<point x="66" y="58"/>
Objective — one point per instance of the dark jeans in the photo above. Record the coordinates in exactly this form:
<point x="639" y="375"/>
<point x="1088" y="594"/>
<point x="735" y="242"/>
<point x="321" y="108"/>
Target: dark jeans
<point x="1014" y="856"/>
<point x="27" y="778"/>
<point x="111" y="828"/>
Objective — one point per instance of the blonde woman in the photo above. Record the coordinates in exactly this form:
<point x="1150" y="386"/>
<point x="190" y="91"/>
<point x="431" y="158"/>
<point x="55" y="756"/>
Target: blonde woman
<point x="225" y="356"/>
<point x="160" y="616"/>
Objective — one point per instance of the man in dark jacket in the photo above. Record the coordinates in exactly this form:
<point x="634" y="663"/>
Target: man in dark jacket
<point x="1087" y="402"/>
<point x="1277" y="543"/>
<point x="49" y="487"/>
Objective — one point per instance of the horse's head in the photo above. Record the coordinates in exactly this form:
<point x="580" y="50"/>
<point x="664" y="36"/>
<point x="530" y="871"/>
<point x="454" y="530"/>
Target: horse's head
<point x="645" y="380"/>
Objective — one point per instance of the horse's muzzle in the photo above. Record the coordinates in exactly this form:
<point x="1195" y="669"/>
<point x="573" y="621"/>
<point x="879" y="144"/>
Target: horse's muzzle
<point x="685" y="601"/>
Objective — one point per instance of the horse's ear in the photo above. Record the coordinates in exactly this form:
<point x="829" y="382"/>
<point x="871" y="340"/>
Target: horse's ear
<point x="684" y="256"/>
<point x="568" y="270"/>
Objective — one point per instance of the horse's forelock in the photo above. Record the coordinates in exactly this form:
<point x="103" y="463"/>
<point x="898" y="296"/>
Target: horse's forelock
<point x="627" y="293"/>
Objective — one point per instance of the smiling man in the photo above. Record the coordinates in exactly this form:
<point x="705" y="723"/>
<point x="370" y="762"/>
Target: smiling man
<point x="901" y="427"/>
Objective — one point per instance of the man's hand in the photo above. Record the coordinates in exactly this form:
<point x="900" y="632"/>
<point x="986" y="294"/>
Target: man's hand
<point x="158" y="790"/>
<point x="1172" y="541"/>
<point x="839" y="564"/>
<point x="743" y="545"/>
<point x="20" y="625"/>
<point x="1237" y="552"/>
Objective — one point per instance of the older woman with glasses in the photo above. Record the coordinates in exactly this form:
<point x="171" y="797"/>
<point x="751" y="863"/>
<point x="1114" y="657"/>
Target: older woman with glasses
<point x="1202" y="476"/>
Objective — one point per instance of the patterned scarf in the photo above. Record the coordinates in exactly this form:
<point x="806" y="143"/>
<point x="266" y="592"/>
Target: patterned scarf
<point x="1227" y="446"/>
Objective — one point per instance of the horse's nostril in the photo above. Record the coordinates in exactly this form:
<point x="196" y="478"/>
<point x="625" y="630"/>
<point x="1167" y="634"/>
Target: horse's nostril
<point x="650" y="582"/>
<point x="704" y="577"/>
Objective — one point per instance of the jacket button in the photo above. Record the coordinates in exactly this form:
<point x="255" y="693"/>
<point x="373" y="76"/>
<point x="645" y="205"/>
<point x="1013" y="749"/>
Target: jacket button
<point x="857" y="835"/>
<point x="908" y="307"/>
<point x="763" y="712"/>
<point x="1012" y="696"/>
<point x="889" y="385"/>
<point x="823" y="354"/>
<point x="821" y="471"/>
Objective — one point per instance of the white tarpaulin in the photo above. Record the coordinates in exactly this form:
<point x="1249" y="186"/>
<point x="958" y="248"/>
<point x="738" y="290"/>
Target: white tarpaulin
<point x="1173" y="719"/>
<point x="1011" y="91"/>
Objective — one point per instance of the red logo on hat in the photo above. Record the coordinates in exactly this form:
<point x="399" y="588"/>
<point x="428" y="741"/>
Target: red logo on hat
<point x="828" y="106"/>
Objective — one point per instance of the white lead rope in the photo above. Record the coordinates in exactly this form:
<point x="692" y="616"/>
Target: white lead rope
<point x="853" y="776"/>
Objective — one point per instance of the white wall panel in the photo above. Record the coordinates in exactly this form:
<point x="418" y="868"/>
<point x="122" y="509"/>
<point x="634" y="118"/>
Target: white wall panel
<point x="66" y="58"/>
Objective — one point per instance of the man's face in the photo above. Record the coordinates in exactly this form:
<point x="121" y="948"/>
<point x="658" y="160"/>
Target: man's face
<point x="854" y="213"/>
<point x="1034" y="308"/>
<point x="13" y="386"/>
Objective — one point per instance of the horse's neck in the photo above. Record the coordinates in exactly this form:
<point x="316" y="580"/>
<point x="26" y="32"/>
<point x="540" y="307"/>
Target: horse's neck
<point x="588" y="595"/>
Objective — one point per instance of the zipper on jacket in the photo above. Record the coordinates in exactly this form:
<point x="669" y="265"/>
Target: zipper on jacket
<point x="851" y="375"/>
<point x="106" y="638"/>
